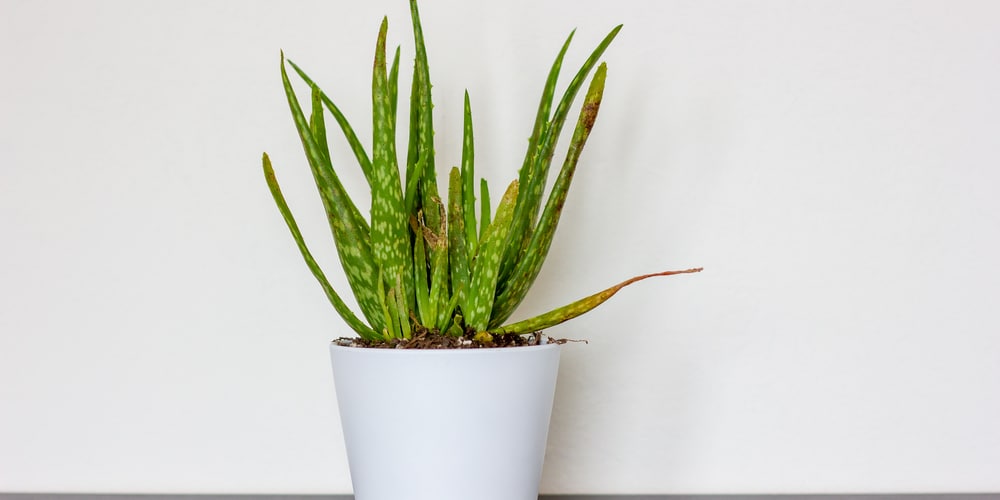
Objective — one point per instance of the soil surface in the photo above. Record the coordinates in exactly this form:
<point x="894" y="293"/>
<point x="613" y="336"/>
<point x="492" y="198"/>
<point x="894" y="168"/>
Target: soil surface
<point x="434" y="340"/>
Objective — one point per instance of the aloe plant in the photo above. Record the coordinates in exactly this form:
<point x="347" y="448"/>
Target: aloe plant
<point x="423" y="262"/>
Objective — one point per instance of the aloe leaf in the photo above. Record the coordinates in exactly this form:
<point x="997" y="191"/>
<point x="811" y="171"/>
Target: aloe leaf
<point x="401" y="311"/>
<point x="527" y="173"/>
<point x="420" y="157"/>
<point x="439" y="272"/>
<point x="484" y="208"/>
<point x="544" y="107"/>
<point x="446" y="317"/>
<point x="468" y="195"/>
<point x="317" y="125"/>
<point x="422" y="291"/>
<point x="425" y="137"/>
<point x="352" y="242"/>
<point x="318" y="128"/>
<point x="458" y="251"/>
<point x="570" y="311"/>
<point x="389" y="235"/>
<point x="486" y="266"/>
<point x="391" y="328"/>
<point x="397" y="328"/>
<point x="412" y="182"/>
<point x="345" y="312"/>
<point x="535" y="173"/>
<point x="527" y="268"/>
<point x="352" y="139"/>
<point x="394" y="88"/>
<point x="420" y="98"/>
<point x="423" y="122"/>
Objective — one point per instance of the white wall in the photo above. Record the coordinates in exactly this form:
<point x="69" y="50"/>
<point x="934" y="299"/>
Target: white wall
<point x="833" y="165"/>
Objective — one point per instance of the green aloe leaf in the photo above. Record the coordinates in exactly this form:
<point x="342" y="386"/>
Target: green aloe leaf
<point x="420" y="278"/>
<point x="535" y="173"/>
<point x="486" y="266"/>
<point x="317" y="125"/>
<point x="527" y="173"/>
<point x="401" y="310"/>
<point x="468" y="195"/>
<point x="484" y="208"/>
<point x="544" y="108"/>
<point x="458" y="252"/>
<point x="338" y="304"/>
<point x="391" y="329"/>
<point x="352" y="139"/>
<point x="439" y="269"/>
<point x="394" y="88"/>
<point x="389" y="234"/>
<point x="527" y="268"/>
<point x="570" y="311"/>
<point x="352" y="242"/>
<point x="420" y="152"/>
<point x="447" y="319"/>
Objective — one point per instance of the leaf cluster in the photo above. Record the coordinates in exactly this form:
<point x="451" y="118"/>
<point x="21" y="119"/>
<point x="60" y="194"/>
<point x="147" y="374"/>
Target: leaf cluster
<point x="426" y="260"/>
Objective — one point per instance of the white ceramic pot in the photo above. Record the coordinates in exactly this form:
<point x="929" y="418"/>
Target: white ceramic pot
<point x="458" y="424"/>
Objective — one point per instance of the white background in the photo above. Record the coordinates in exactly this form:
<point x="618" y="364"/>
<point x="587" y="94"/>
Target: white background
<point x="834" y="166"/>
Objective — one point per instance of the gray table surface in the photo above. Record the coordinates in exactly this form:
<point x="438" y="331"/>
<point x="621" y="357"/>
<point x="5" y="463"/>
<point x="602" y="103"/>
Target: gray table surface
<point x="97" y="496"/>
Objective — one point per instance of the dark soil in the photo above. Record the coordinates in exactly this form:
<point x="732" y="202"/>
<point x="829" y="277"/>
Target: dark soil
<point x="434" y="340"/>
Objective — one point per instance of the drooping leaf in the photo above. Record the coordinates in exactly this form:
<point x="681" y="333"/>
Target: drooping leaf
<point x="338" y="304"/>
<point x="570" y="311"/>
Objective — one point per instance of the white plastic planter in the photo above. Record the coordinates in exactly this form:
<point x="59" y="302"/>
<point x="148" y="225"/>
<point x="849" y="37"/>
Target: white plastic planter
<point x="458" y="424"/>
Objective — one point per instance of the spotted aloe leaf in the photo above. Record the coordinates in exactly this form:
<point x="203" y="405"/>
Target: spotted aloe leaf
<point x="420" y="151"/>
<point x="389" y="233"/>
<point x="486" y="266"/>
<point x="570" y="311"/>
<point x="420" y="277"/>
<point x="338" y="304"/>
<point x="527" y="268"/>
<point x="351" y="239"/>
<point x="467" y="177"/>
<point x="352" y="138"/>
<point x="534" y="173"/>
<point x="458" y="251"/>
<point x="484" y="207"/>
<point x="394" y="88"/>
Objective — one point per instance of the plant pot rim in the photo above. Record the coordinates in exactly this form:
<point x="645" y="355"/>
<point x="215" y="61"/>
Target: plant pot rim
<point x="382" y="351"/>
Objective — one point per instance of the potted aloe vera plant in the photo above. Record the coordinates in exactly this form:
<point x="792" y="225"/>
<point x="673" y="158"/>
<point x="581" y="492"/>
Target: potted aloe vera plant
<point x="436" y="276"/>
